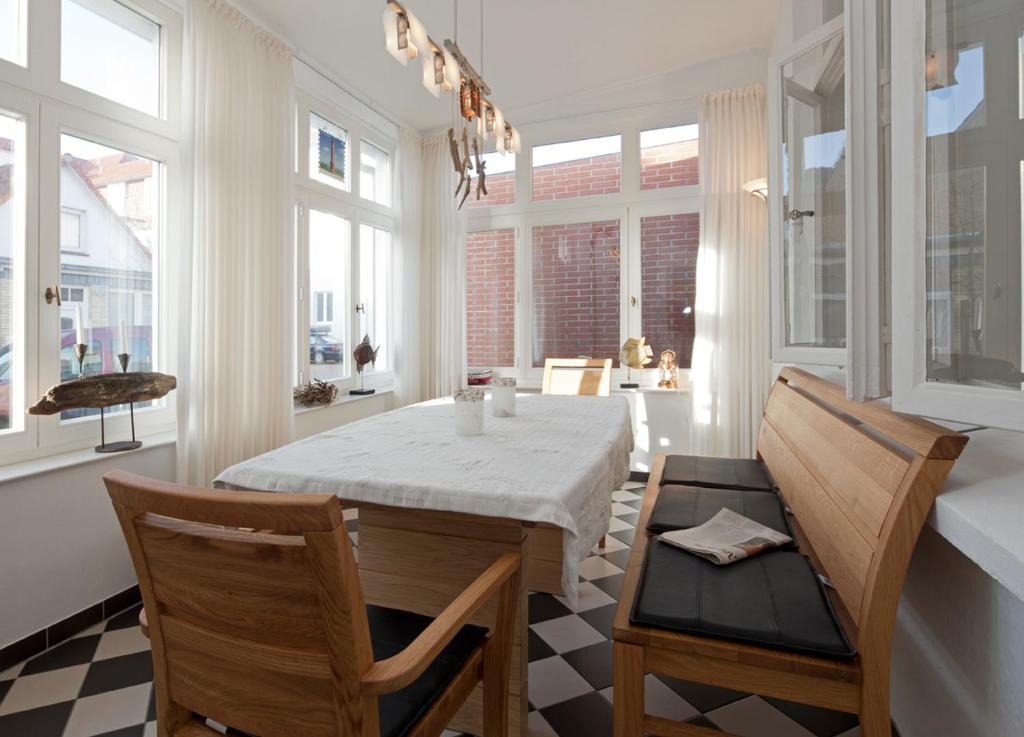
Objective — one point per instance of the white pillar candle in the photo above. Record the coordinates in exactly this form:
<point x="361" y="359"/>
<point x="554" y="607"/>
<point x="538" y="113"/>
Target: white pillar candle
<point x="79" y="325"/>
<point x="124" y="336"/>
<point x="469" y="412"/>
<point x="503" y="397"/>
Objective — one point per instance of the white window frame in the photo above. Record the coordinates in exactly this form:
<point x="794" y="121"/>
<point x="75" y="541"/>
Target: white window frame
<point x="911" y="392"/>
<point x="351" y="205"/>
<point x="51" y="107"/>
<point x="628" y="206"/>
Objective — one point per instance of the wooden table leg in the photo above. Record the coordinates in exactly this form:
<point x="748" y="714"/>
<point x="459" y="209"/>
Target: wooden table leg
<point x="420" y="560"/>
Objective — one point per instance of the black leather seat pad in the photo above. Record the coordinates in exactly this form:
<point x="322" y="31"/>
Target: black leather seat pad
<point x="391" y="630"/>
<point x="683" y="507"/>
<point x="774" y="600"/>
<point x="719" y="473"/>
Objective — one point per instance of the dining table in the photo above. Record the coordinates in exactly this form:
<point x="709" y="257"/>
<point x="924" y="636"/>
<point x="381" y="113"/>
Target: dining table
<point x="436" y="508"/>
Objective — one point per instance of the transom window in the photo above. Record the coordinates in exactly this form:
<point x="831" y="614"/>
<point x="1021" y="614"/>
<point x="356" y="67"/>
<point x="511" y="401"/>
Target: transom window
<point x="574" y="169"/>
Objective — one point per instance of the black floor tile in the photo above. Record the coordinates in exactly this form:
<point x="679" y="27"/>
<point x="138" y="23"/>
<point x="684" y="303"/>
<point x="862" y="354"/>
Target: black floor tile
<point x="544" y="607"/>
<point x="119" y="602"/>
<point x="46" y="721"/>
<point x="636" y="504"/>
<point x="127" y="618"/>
<point x="601" y="619"/>
<point x="5" y="686"/>
<point x="71" y="652"/>
<point x="703" y="721"/>
<point x="151" y="710"/>
<point x="625" y="536"/>
<point x="618" y="557"/>
<point x="611" y="585"/>
<point x="116" y="673"/>
<point x="134" y="731"/>
<point x="537" y="648"/>
<point x="821" y="722"/>
<point x="702" y="697"/>
<point x="593" y="662"/>
<point x="352" y="525"/>
<point x="22" y="649"/>
<point x="630" y="519"/>
<point x="589" y="715"/>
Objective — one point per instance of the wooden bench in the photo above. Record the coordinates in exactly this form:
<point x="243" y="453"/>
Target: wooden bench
<point x="859" y="481"/>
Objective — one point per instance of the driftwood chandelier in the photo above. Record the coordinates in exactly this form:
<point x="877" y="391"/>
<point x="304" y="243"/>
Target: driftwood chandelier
<point x="475" y="119"/>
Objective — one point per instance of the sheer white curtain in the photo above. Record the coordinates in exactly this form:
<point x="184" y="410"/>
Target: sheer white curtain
<point x="408" y="202"/>
<point x="730" y="370"/>
<point x="442" y="295"/>
<point x="236" y="348"/>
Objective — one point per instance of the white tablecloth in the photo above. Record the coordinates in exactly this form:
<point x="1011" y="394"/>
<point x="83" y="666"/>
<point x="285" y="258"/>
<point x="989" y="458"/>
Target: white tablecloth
<point x="558" y="461"/>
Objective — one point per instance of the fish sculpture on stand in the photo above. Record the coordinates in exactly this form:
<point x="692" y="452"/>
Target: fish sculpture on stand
<point x="364" y="354"/>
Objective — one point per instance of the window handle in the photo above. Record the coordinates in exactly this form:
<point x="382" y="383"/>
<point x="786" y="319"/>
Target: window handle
<point x="52" y="293"/>
<point x="360" y="307"/>
<point x="632" y="301"/>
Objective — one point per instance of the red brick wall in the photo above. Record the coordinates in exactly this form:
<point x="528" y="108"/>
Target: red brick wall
<point x="671" y="165"/>
<point x="490" y="298"/>
<point x="668" y="264"/>
<point x="501" y="190"/>
<point x="577" y="178"/>
<point x="576" y="297"/>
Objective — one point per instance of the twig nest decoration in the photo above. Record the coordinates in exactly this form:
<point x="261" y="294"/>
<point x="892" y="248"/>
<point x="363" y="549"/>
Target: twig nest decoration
<point x="316" y="392"/>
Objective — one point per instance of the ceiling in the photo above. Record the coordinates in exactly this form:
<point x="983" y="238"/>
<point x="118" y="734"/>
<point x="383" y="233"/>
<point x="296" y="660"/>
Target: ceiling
<point x="536" y="51"/>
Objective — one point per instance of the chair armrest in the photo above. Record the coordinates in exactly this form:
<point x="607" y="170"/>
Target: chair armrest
<point x="398" y="671"/>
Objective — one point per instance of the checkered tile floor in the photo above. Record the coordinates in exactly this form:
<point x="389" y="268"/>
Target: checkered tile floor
<point x="100" y="682"/>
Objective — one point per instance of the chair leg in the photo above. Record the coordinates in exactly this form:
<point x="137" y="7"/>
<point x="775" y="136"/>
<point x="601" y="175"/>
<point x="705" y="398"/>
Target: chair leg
<point x="603" y="541"/>
<point x="628" y="690"/>
<point x="875" y="720"/>
<point x="495" y="692"/>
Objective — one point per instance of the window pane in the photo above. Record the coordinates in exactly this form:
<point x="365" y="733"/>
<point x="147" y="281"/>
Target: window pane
<point x="375" y="174"/>
<point x="974" y="179"/>
<point x="814" y="199"/>
<point x="12" y="30"/>
<point x="328" y="284"/>
<point x="112" y="51"/>
<point x="500" y="181"/>
<point x="668" y="157"/>
<point x="576" y="298"/>
<point x="328" y="153"/>
<point x="668" y="267"/>
<point x="375" y="291"/>
<point x="12" y="275"/>
<point x="563" y="171"/>
<point x="491" y="298"/>
<point x="116" y="195"/>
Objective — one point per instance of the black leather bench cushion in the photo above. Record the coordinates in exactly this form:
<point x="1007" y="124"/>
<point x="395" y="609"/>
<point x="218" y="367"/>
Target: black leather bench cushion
<point x="683" y="507"/>
<point x="774" y="600"/>
<point x="720" y="473"/>
<point x="391" y="630"/>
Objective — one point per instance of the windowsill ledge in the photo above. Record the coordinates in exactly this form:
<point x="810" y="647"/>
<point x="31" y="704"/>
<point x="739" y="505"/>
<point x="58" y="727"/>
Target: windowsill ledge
<point x="535" y="386"/>
<point x="47" y="464"/>
<point x="345" y="398"/>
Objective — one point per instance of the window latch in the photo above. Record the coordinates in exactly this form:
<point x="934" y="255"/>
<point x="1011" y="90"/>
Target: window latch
<point x="52" y="293"/>
<point x="360" y="307"/>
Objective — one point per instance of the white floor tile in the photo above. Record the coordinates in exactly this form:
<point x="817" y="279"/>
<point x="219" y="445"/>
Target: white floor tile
<point x="754" y="717"/>
<point x="621" y="495"/>
<point x="96" y="629"/>
<point x="611" y="544"/>
<point x="536" y="726"/>
<point x="567" y="633"/>
<point x="11" y="673"/>
<point x="350" y="513"/>
<point x="108" y="711"/>
<point x="40" y="689"/>
<point x="121" y="642"/>
<point x="617" y="525"/>
<point x="662" y="701"/>
<point x="552" y="681"/>
<point x="597" y="567"/>
<point x="591" y="597"/>
<point x="619" y="509"/>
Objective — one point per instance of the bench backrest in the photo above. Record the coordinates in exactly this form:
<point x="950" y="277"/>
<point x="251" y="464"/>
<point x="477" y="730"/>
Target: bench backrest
<point x="860" y="479"/>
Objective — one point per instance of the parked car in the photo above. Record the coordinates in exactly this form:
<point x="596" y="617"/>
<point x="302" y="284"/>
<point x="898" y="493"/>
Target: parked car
<point x="324" y="349"/>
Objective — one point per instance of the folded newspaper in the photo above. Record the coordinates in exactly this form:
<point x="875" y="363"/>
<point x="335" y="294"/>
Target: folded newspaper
<point x="726" y="538"/>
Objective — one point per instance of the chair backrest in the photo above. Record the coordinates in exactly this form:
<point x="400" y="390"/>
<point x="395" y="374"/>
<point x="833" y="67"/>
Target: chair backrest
<point x="264" y="632"/>
<point x="860" y="480"/>
<point x="577" y="376"/>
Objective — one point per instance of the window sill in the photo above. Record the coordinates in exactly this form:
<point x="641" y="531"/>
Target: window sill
<point x="535" y="386"/>
<point x="345" y="398"/>
<point x="46" y="464"/>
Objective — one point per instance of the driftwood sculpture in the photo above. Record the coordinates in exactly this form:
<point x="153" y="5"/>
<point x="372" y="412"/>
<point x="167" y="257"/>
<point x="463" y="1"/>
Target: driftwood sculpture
<point x="106" y="390"/>
<point x="481" y="174"/>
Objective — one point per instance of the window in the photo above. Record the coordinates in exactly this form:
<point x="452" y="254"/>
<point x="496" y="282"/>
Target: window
<point x="12" y="271"/>
<point x="12" y="30"/>
<point x="328" y="283"/>
<point x="115" y="264"/>
<point x="577" y="169"/>
<point x="668" y="266"/>
<point x="112" y="51"/>
<point x="500" y="181"/>
<point x="71" y="231"/>
<point x="375" y="174"/>
<point x="668" y="157"/>
<point x="576" y="290"/>
<point x="328" y="153"/>
<point x="490" y="298"/>
<point x="375" y="291"/>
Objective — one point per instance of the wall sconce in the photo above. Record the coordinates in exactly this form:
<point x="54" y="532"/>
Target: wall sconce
<point x="758" y="188"/>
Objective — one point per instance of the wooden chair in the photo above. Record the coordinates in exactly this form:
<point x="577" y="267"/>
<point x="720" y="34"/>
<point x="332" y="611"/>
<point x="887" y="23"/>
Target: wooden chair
<point x="860" y="480"/>
<point x="577" y="376"/>
<point x="269" y="633"/>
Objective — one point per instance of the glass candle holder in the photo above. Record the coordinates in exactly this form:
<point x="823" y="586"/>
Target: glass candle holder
<point x="469" y="412"/>
<point x="503" y="397"/>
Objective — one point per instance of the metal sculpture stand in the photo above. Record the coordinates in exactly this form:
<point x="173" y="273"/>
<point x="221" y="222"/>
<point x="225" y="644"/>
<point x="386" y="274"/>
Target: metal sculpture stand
<point x="121" y="445"/>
